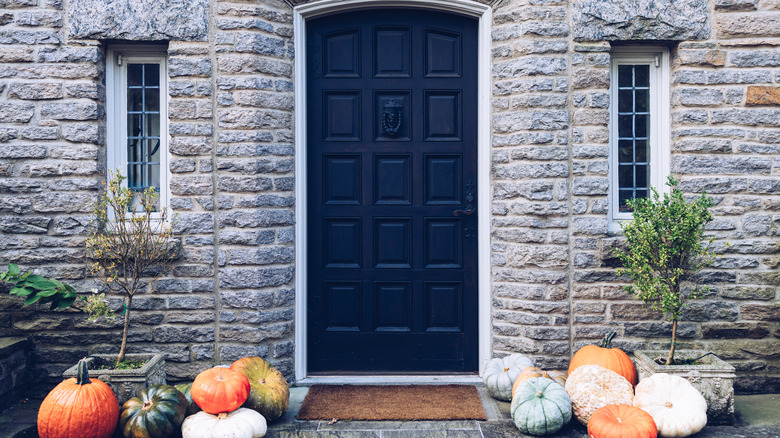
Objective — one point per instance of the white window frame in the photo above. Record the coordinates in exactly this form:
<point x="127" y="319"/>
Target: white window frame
<point x="659" y="130"/>
<point x="117" y="59"/>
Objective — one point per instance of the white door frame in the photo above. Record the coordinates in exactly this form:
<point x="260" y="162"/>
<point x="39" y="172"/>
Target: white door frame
<point x="484" y="81"/>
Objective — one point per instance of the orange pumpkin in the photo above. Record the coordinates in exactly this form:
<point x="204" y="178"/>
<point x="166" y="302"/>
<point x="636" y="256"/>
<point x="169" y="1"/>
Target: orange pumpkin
<point x="604" y="355"/>
<point x="531" y="372"/>
<point x="219" y="390"/>
<point x="79" y="407"/>
<point x="621" y="421"/>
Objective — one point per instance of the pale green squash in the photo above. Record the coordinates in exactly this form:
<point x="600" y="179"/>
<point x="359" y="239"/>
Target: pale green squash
<point x="540" y="407"/>
<point x="500" y="374"/>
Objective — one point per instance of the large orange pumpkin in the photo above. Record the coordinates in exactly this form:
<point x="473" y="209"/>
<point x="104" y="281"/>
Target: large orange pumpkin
<point x="604" y="355"/>
<point x="219" y="389"/>
<point x="621" y="421"/>
<point x="79" y="408"/>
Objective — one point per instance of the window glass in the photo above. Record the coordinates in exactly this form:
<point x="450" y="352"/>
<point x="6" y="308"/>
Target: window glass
<point x="143" y="127"/>
<point x="633" y="132"/>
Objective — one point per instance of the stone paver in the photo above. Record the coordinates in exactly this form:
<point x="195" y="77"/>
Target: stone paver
<point x="756" y="418"/>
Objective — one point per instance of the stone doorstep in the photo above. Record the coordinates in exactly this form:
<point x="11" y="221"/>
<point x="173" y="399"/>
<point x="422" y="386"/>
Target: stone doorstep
<point x="756" y="418"/>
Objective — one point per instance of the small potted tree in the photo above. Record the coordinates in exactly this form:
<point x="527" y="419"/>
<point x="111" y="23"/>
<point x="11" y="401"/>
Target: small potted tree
<point x="665" y="248"/>
<point x="129" y="246"/>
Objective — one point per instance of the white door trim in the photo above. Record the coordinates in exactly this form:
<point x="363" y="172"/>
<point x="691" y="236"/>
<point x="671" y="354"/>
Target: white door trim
<point x="484" y="81"/>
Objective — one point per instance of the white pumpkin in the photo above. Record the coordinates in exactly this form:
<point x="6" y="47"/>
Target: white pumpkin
<point x="500" y="373"/>
<point x="592" y="387"/>
<point x="241" y="423"/>
<point x="677" y="407"/>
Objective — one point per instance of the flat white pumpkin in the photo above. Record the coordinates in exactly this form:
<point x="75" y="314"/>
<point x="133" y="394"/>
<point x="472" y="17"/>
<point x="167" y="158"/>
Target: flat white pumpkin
<point x="677" y="407"/>
<point x="241" y="423"/>
<point x="500" y="374"/>
<point x="592" y="387"/>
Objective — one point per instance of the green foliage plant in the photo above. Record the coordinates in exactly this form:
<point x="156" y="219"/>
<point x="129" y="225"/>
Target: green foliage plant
<point x="130" y="245"/>
<point x="37" y="288"/>
<point x="665" y="246"/>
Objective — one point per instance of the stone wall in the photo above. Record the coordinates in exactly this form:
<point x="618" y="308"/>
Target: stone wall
<point x="230" y="109"/>
<point x="551" y="300"/>
<point x="554" y="287"/>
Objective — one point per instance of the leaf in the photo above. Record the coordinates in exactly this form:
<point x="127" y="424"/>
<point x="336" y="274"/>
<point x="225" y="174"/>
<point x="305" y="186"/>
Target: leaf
<point x="31" y="299"/>
<point x="66" y="302"/>
<point x="47" y="293"/>
<point x="21" y="291"/>
<point x="44" y="284"/>
<point x="13" y="269"/>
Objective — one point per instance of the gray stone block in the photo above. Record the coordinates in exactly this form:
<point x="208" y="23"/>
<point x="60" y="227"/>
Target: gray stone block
<point x="16" y="112"/>
<point x="600" y="20"/>
<point x="145" y="20"/>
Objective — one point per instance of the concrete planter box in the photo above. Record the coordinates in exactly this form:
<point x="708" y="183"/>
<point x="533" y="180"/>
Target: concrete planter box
<point x="127" y="383"/>
<point x="714" y="378"/>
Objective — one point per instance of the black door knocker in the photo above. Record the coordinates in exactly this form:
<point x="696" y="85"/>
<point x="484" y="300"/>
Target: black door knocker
<point x="391" y="117"/>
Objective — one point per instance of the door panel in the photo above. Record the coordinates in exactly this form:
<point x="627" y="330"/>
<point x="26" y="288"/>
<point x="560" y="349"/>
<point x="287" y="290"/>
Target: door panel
<point x="392" y="159"/>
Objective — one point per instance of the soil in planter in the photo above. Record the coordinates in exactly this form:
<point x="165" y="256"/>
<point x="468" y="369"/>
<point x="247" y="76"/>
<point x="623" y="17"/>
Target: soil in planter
<point x="103" y="364"/>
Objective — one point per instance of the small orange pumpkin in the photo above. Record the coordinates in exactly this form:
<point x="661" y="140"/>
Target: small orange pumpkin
<point x="558" y="377"/>
<point x="621" y="421"/>
<point x="79" y="407"/>
<point x="604" y="355"/>
<point x="219" y="390"/>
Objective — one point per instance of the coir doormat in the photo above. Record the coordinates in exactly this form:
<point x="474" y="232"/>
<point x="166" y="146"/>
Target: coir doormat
<point x="392" y="402"/>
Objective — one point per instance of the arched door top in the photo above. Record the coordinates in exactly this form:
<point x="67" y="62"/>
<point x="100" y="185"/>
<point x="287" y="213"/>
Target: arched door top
<point x="311" y="9"/>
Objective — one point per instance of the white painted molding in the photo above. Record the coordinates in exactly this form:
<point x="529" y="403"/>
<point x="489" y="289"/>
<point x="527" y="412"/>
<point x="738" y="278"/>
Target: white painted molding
<point x="326" y="7"/>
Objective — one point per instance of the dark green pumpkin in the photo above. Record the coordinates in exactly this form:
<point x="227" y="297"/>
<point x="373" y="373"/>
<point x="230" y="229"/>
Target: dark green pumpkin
<point x="157" y="412"/>
<point x="192" y="407"/>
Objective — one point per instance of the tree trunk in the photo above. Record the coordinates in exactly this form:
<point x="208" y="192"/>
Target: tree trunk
<point x="670" y="359"/>
<point x="122" y="349"/>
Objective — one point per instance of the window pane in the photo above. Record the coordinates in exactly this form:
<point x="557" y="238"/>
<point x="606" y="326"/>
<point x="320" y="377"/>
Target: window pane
<point x="134" y="127"/>
<point x="625" y="151"/>
<point x="642" y="101"/>
<point x="625" y="126"/>
<point x="153" y="151"/>
<point x="152" y="101"/>
<point x="152" y="75"/>
<point x="625" y="101"/>
<point x="134" y="75"/>
<point x="153" y="176"/>
<point x="642" y="77"/>
<point x="640" y="127"/>
<point x="625" y="75"/>
<point x="135" y="99"/>
<point x="640" y="149"/>
<point x="642" y="176"/>
<point x="152" y="125"/>
<point x="625" y="195"/>
<point x="135" y="176"/>
<point x="134" y="152"/>
<point x="626" y="176"/>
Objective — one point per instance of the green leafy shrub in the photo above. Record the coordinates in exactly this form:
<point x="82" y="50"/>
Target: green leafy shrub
<point x="37" y="288"/>
<point x="665" y="245"/>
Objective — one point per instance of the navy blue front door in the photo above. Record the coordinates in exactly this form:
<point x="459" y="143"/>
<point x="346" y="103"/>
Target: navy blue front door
<point x="392" y="174"/>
